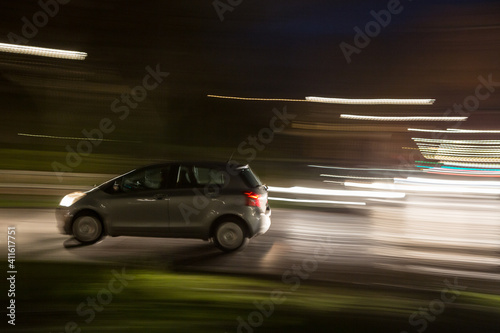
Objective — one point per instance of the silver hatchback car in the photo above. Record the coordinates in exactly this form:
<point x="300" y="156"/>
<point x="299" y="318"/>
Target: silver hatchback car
<point x="222" y="202"/>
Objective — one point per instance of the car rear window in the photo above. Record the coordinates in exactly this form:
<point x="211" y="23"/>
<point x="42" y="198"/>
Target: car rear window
<point x="250" y="178"/>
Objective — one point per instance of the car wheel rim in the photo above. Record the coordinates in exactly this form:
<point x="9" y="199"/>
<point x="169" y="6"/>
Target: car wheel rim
<point x="87" y="229"/>
<point x="230" y="235"/>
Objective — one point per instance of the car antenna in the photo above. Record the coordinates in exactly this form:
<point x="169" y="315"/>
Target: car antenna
<point x="231" y="157"/>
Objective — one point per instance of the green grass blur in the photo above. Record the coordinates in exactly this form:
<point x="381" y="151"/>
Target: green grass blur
<point x="49" y="294"/>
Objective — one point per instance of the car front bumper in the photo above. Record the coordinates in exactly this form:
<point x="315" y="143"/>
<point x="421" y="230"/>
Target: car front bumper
<point x="64" y="216"/>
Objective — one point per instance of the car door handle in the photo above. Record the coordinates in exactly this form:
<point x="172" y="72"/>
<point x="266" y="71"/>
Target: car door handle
<point x="159" y="196"/>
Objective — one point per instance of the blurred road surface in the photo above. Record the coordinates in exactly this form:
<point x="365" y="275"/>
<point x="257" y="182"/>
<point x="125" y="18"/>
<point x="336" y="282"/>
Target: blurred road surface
<point x="416" y="244"/>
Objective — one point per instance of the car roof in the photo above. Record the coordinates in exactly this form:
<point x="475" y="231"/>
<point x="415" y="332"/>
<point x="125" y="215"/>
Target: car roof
<point x="217" y="164"/>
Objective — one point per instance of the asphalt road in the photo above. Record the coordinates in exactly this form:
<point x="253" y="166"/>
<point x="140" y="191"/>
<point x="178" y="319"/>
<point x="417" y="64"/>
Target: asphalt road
<point x="415" y="244"/>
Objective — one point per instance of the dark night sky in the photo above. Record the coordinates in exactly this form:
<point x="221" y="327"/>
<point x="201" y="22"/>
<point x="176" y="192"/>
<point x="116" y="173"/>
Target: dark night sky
<point x="276" y="49"/>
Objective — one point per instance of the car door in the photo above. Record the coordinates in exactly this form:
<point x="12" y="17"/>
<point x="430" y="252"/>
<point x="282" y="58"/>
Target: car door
<point x="140" y="204"/>
<point x="194" y="201"/>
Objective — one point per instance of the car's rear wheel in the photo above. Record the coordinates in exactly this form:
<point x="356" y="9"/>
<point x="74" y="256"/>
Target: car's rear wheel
<point x="230" y="235"/>
<point x="87" y="229"/>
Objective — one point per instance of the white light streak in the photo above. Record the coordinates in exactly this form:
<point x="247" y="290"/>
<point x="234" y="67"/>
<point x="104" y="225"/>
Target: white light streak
<point x="451" y="131"/>
<point x="42" y="52"/>
<point x="344" y="101"/>
<point x="360" y="169"/>
<point x="483" y="173"/>
<point x="426" y="188"/>
<point x="320" y="201"/>
<point x="416" y="180"/>
<point x="346" y="193"/>
<point x="426" y="130"/>
<point x="456" y="130"/>
<point x="353" y="177"/>
<point x="483" y="142"/>
<point x="409" y="118"/>
<point x="462" y="159"/>
<point x="471" y="165"/>
<point x="71" y="138"/>
<point x="436" y="204"/>
<point x="371" y="101"/>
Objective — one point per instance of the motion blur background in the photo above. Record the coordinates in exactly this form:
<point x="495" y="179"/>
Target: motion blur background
<point x="261" y="49"/>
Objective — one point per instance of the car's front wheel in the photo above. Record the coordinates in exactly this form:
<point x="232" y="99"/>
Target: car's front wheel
<point x="87" y="229"/>
<point x="230" y="235"/>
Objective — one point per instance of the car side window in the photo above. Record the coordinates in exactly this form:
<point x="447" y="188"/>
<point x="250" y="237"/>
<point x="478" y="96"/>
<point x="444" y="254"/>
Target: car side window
<point x="207" y="176"/>
<point x="147" y="179"/>
<point x="185" y="177"/>
<point x="195" y="176"/>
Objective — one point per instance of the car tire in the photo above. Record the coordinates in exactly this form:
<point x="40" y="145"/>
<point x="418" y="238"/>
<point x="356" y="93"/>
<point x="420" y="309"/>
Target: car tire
<point x="87" y="229"/>
<point x="230" y="235"/>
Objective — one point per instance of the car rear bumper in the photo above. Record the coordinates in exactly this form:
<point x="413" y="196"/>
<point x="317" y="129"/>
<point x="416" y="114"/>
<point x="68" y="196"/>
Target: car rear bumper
<point x="265" y="224"/>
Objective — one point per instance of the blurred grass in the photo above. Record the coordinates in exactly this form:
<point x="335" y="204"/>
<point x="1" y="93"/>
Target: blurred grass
<point x="48" y="294"/>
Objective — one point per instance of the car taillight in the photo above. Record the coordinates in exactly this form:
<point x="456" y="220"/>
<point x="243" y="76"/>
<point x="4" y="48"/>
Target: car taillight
<point x="254" y="200"/>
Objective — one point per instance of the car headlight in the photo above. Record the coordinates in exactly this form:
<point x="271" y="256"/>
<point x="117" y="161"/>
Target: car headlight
<point x="71" y="199"/>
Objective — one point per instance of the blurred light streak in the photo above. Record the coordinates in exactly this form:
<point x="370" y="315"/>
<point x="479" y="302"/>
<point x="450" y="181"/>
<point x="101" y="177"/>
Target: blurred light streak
<point x="319" y="191"/>
<point x="427" y="162"/>
<point x="354" y="177"/>
<point x="435" y="204"/>
<point x="420" y="187"/>
<point x="257" y="98"/>
<point x="456" y="130"/>
<point x="459" y="148"/>
<point x="464" y="150"/>
<point x="470" y="169"/>
<point x="332" y="182"/>
<point x="71" y="138"/>
<point x="482" y="142"/>
<point x="409" y="118"/>
<point x="42" y="52"/>
<point x="456" y="146"/>
<point x="372" y="101"/>
<point x="452" y="131"/>
<point x="360" y="169"/>
<point x="320" y="201"/>
<point x="461" y="159"/>
<point x="344" y="101"/>
<point x="461" y="173"/>
<point x="478" y="165"/>
<point x="416" y="180"/>
<point x="344" y="127"/>
<point x="440" y="151"/>
<point x="426" y="130"/>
